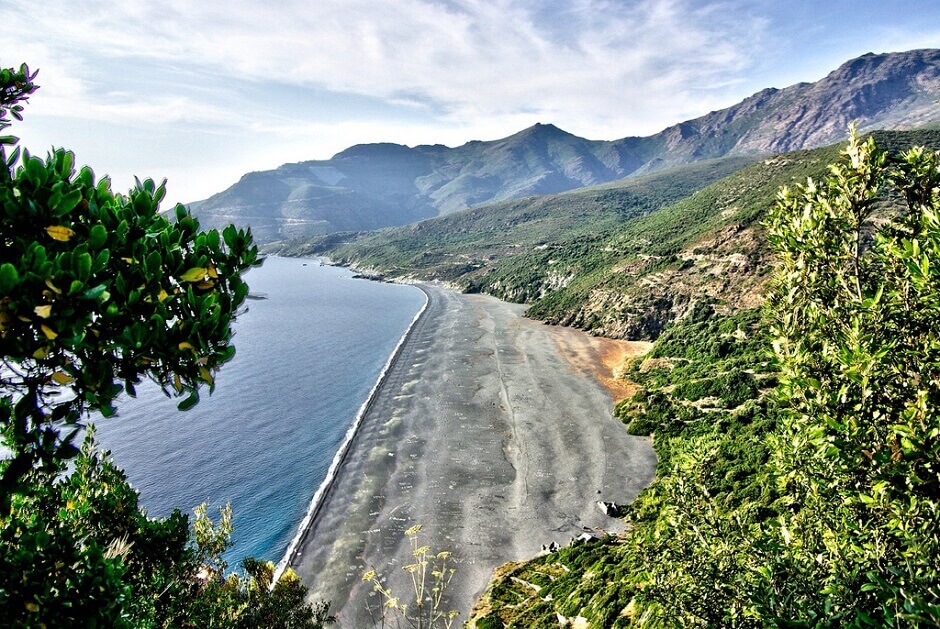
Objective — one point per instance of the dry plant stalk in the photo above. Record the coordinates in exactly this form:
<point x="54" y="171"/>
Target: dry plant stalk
<point x="430" y="575"/>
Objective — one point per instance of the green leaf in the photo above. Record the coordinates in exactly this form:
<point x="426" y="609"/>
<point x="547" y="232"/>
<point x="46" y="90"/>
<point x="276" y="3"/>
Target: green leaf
<point x="97" y="237"/>
<point x="226" y="354"/>
<point x="13" y="157"/>
<point x="83" y="265"/>
<point x="189" y="402"/>
<point x="153" y="262"/>
<point x="67" y="203"/>
<point x="95" y="293"/>
<point x="9" y="278"/>
<point x="241" y="291"/>
<point x="228" y="234"/>
<point x="101" y="261"/>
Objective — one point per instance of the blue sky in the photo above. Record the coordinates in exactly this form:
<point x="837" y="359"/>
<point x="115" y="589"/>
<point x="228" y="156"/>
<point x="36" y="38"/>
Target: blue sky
<point x="202" y="92"/>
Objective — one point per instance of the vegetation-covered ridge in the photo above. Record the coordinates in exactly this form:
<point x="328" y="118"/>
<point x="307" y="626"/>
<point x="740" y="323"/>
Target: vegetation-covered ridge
<point x="463" y="247"/>
<point x="798" y="482"/>
<point x="620" y="260"/>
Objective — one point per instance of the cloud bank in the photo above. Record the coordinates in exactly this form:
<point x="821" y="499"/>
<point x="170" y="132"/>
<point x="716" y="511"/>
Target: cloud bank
<point x="641" y="63"/>
<point x="243" y="84"/>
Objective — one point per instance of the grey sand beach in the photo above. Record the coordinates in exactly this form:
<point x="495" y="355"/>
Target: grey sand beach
<point x="492" y="431"/>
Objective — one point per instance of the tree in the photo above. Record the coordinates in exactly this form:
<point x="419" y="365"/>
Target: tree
<point x="857" y="337"/>
<point x="78" y="550"/>
<point x="97" y="291"/>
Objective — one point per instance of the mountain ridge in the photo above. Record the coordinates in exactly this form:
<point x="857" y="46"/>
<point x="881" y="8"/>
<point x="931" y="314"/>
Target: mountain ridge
<point x="370" y="186"/>
<point x="622" y="259"/>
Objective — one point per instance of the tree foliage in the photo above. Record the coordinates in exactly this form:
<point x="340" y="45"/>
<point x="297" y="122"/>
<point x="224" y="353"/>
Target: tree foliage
<point x="98" y="291"/>
<point x="78" y="550"/>
<point x="857" y="335"/>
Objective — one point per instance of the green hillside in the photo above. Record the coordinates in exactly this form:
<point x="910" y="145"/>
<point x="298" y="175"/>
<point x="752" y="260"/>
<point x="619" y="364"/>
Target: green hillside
<point x="464" y="246"/>
<point x="620" y="260"/>
<point x="797" y="482"/>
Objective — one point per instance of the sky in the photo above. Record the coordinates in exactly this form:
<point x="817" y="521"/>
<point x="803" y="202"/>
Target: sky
<point x="202" y="92"/>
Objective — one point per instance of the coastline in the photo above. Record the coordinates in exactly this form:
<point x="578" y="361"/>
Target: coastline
<point x="487" y="432"/>
<point x="323" y="491"/>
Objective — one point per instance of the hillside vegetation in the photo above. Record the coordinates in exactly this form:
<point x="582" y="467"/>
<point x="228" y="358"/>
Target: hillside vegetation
<point x="463" y="247"/>
<point x="797" y="482"/>
<point x="621" y="260"/>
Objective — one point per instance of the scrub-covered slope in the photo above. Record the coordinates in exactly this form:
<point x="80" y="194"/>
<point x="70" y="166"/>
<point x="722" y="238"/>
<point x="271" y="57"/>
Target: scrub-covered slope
<point x="619" y="260"/>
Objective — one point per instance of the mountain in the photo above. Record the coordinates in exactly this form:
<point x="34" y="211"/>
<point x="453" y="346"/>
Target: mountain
<point x="887" y="91"/>
<point x="464" y="246"/>
<point x="621" y="260"/>
<point x="379" y="185"/>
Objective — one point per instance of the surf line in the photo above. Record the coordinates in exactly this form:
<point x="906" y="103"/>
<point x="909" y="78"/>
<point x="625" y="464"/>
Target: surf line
<point x="320" y="496"/>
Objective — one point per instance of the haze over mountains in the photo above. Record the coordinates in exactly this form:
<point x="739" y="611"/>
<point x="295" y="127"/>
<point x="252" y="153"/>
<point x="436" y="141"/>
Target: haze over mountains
<point x="372" y="186"/>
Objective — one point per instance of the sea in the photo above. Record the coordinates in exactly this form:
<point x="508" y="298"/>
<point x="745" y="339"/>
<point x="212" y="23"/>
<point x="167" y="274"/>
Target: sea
<point x="309" y="349"/>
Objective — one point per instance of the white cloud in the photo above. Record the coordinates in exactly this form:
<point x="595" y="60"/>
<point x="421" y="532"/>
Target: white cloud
<point x="595" y="63"/>
<point x="239" y="85"/>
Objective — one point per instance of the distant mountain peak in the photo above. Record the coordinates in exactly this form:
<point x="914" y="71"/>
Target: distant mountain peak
<point x="368" y="186"/>
<point x="373" y="150"/>
<point x="546" y="130"/>
<point x="541" y="134"/>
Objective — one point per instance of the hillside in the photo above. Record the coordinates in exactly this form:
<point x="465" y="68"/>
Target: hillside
<point x="799" y="491"/>
<point x="463" y="246"/>
<point x="371" y="186"/>
<point x="620" y="260"/>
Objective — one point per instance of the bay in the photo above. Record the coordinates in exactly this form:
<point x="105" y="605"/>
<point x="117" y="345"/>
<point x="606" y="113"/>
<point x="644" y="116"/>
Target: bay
<point x="307" y="356"/>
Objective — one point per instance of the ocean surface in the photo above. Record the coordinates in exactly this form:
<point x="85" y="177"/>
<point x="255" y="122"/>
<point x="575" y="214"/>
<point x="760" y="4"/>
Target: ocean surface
<point x="306" y="358"/>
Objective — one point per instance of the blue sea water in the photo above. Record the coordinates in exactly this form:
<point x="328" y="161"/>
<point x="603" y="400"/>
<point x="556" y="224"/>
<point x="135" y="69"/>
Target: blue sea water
<point x="306" y="358"/>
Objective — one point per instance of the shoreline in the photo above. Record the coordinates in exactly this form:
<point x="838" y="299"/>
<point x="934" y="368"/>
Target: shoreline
<point x="323" y="491"/>
<point x="488" y="435"/>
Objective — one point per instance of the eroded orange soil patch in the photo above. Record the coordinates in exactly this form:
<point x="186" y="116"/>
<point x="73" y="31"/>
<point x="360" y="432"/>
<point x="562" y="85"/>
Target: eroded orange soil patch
<point x="600" y="358"/>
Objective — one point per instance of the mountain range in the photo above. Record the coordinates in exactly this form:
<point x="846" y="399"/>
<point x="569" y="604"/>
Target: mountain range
<point x="623" y="259"/>
<point x="371" y="186"/>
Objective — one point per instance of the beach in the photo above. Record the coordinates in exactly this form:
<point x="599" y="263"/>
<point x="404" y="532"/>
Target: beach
<point x="493" y="432"/>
